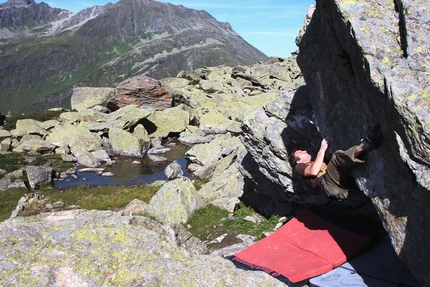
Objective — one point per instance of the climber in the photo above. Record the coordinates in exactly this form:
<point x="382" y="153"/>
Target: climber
<point x="331" y="178"/>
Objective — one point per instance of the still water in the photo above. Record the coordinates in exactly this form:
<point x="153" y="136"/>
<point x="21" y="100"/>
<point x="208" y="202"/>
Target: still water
<point x="128" y="170"/>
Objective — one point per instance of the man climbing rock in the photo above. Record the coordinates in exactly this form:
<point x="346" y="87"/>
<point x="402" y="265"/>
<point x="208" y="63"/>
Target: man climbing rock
<point x="331" y="178"/>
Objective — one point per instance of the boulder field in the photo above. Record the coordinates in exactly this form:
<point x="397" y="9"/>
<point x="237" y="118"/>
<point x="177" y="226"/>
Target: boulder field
<point x="359" y="63"/>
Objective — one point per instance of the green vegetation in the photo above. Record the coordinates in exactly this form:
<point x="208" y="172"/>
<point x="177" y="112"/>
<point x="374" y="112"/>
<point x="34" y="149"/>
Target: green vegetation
<point x="123" y="48"/>
<point x="8" y="201"/>
<point x="210" y="222"/>
<point x="86" y="197"/>
<point x="101" y="197"/>
<point x="147" y="36"/>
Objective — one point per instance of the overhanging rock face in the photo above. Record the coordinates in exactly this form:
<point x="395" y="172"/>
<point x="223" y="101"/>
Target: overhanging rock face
<point x="366" y="62"/>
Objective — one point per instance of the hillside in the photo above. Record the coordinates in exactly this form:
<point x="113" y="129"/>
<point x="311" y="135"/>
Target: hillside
<point x="46" y="51"/>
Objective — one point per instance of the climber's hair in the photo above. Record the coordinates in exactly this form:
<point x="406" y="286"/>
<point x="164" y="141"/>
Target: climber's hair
<point x="292" y="159"/>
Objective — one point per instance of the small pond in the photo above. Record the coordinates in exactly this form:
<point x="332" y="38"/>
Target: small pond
<point x="129" y="170"/>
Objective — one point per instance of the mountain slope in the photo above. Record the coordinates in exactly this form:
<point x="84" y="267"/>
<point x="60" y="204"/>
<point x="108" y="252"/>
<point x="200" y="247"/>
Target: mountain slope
<point x="48" y="51"/>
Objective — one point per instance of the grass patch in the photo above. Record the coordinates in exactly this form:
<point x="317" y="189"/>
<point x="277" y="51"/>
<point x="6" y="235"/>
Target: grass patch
<point x="86" y="197"/>
<point x="101" y="197"/>
<point x="210" y="222"/>
<point x="8" y="201"/>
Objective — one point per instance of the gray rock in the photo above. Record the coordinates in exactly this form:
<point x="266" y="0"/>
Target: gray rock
<point x="74" y="136"/>
<point x="124" y="118"/>
<point x="38" y="175"/>
<point x="224" y="189"/>
<point x="135" y="207"/>
<point x="84" y="157"/>
<point x="102" y="156"/>
<point x="119" y="246"/>
<point x="185" y="239"/>
<point x="193" y="135"/>
<point x="156" y="158"/>
<point x="125" y="143"/>
<point x="173" y="120"/>
<point x="89" y="97"/>
<point x="173" y="171"/>
<point x="19" y="207"/>
<point x="365" y="69"/>
<point x="215" y="122"/>
<point x="208" y="155"/>
<point x="141" y="133"/>
<point x="70" y="117"/>
<point x="27" y="127"/>
<point x="34" y="145"/>
<point x="12" y="180"/>
<point x="49" y="124"/>
<point x="4" y="134"/>
<point x="182" y="199"/>
<point x="5" y="145"/>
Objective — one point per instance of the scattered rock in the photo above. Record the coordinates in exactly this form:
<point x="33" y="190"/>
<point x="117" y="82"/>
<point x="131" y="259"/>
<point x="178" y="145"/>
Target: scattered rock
<point x="135" y="207"/>
<point x="182" y="197"/>
<point x="89" y="97"/>
<point x="141" y="91"/>
<point x="173" y="171"/>
<point x="38" y="175"/>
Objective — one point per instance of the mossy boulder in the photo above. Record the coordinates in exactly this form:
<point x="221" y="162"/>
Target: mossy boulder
<point x="103" y="248"/>
<point x="173" y="120"/>
<point x="175" y="201"/>
<point x="88" y="97"/>
<point x="125" y="143"/>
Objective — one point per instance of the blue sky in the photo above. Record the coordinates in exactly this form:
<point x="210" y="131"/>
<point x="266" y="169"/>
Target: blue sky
<point x="269" y="25"/>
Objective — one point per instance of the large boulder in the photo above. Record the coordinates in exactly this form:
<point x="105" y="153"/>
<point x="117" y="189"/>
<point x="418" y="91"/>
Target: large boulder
<point x="215" y="122"/>
<point x="173" y="120"/>
<point x="103" y="248"/>
<point x="125" y="143"/>
<point x="225" y="188"/>
<point x="270" y="135"/>
<point x="38" y="175"/>
<point x="4" y="134"/>
<point x="141" y="91"/>
<point x="74" y="136"/>
<point x="12" y="180"/>
<point x="34" y="145"/>
<point x="175" y="202"/>
<point x="89" y="97"/>
<point x="29" y="126"/>
<point x="5" y="145"/>
<point x="125" y="118"/>
<point x="208" y="155"/>
<point x="193" y="135"/>
<point x="365" y="62"/>
<point x="84" y="157"/>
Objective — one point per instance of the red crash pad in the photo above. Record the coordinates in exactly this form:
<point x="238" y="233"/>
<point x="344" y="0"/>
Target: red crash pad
<point x="304" y="247"/>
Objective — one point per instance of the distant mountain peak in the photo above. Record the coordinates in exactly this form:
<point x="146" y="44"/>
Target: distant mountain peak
<point x="103" y="45"/>
<point x="17" y="3"/>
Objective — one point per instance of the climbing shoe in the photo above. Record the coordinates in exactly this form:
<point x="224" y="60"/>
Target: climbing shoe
<point x="375" y="137"/>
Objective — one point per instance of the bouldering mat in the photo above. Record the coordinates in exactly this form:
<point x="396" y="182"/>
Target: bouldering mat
<point x="306" y="246"/>
<point x="379" y="267"/>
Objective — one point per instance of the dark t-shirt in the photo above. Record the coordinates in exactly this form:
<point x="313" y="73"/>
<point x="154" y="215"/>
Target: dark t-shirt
<point x="314" y="181"/>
